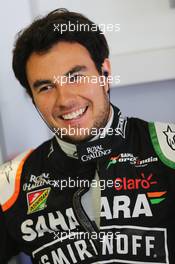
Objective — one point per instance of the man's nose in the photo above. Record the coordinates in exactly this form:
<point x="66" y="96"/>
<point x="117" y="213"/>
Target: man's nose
<point x="64" y="95"/>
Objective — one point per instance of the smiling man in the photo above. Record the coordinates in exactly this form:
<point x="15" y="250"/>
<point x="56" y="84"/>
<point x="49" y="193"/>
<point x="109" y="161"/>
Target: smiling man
<point x="78" y="103"/>
<point x="102" y="189"/>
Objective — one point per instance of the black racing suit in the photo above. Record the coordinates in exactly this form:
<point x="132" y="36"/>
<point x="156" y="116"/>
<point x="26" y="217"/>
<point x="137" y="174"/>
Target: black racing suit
<point x="41" y="210"/>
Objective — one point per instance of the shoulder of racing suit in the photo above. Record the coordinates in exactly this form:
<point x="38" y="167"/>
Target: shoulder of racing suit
<point x="163" y="140"/>
<point x="10" y="175"/>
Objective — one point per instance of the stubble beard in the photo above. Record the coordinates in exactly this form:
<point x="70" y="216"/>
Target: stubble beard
<point x="99" y="122"/>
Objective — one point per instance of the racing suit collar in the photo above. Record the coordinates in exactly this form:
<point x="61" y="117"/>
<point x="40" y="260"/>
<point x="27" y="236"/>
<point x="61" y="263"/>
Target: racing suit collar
<point x="100" y="150"/>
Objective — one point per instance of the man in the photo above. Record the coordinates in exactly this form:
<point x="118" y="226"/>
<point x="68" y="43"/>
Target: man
<point x="102" y="189"/>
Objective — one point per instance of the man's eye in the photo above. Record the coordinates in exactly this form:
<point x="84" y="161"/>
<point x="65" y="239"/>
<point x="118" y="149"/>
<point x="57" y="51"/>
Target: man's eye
<point x="75" y="77"/>
<point x="45" y="88"/>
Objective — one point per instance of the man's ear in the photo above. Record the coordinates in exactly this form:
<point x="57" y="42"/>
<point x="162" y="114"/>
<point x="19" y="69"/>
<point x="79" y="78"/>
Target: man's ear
<point x="106" y="71"/>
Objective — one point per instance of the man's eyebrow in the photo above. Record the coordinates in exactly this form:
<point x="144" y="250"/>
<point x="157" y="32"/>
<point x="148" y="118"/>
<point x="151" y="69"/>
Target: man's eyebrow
<point x="38" y="83"/>
<point x="76" y="68"/>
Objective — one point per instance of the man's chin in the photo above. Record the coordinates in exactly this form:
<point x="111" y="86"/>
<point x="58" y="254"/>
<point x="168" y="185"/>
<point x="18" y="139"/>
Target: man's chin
<point x="76" y="139"/>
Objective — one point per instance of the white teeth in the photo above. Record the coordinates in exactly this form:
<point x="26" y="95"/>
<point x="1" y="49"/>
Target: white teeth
<point x="74" y="114"/>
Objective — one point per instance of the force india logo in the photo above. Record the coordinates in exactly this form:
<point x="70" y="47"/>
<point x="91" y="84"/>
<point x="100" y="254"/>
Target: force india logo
<point x="129" y="157"/>
<point x="37" y="200"/>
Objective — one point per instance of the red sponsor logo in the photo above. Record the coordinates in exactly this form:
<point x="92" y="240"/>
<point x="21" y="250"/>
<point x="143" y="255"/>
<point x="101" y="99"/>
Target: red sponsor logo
<point x="134" y="183"/>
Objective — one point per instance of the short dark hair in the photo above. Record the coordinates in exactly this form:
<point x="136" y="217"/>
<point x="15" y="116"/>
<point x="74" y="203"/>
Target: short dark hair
<point x="40" y="36"/>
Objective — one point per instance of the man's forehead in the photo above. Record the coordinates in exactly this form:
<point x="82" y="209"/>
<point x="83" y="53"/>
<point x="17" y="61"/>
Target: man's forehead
<point x="62" y="52"/>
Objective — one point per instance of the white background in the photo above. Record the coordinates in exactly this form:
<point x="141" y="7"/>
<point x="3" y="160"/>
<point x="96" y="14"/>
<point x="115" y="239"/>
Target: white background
<point x="143" y="53"/>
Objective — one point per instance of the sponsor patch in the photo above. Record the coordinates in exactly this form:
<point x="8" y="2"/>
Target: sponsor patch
<point x="37" y="200"/>
<point x="40" y="181"/>
<point x="131" y="245"/>
<point x="143" y="245"/>
<point x="93" y="152"/>
<point x="170" y="137"/>
<point x="143" y="182"/>
<point x="163" y="140"/>
<point x="121" y="128"/>
<point x="129" y="157"/>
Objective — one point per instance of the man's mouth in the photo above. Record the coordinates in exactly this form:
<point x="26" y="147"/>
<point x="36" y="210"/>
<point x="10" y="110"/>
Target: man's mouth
<point x="74" y="115"/>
